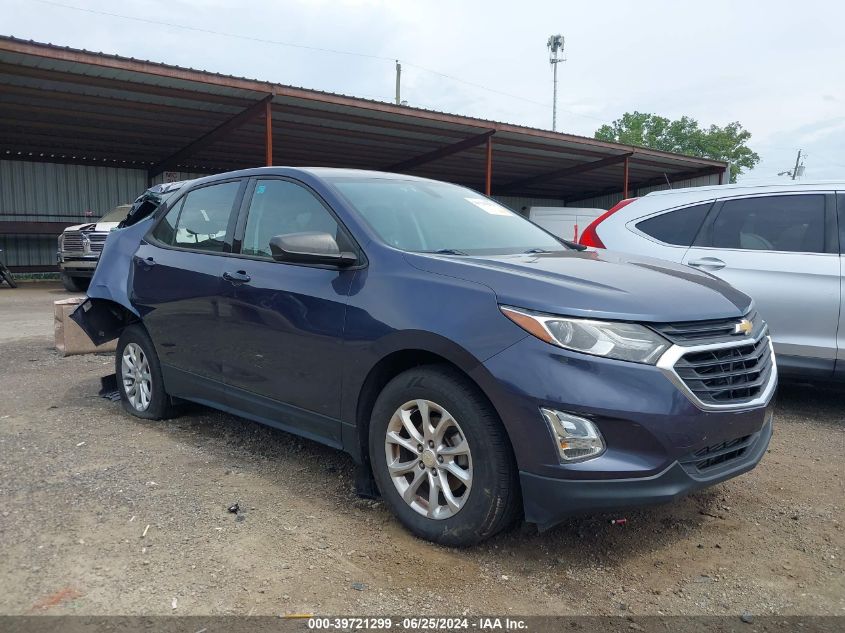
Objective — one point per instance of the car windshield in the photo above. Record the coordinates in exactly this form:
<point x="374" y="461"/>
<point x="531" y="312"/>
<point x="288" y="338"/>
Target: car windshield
<point x="118" y="214"/>
<point x="435" y="217"/>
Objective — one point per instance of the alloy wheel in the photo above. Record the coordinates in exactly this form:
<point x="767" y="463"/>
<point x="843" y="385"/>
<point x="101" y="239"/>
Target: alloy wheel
<point x="135" y="373"/>
<point x="429" y="459"/>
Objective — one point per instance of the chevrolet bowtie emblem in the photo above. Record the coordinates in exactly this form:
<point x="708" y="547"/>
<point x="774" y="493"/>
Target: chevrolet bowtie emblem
<point x="743" y="328"/>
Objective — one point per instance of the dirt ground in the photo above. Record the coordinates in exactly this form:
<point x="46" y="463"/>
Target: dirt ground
<point x="103" y="513"/>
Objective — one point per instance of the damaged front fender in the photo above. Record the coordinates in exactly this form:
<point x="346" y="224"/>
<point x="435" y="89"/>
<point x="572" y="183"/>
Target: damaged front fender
<point x="108" y="309"/>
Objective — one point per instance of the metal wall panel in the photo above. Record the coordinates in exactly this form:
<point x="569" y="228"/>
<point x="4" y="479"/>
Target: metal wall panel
<point x="28" y="250"/>
<point x="56" y="192"/>
<point x="607" y="201"/>
<point x="522" y="204"/>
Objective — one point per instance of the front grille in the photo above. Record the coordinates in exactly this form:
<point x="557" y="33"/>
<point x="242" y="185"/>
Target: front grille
<point x="710" y="457"/>
<point x="702" y="332"/>
<point x="72" y="242"/>
<point x="727" y="375"/>
<point x="97" y="241"/>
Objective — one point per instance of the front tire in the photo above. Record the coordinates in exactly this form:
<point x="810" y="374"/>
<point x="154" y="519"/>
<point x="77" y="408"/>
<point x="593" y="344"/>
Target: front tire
<point x="139" y="377"/>
<point x="442" y="459"/>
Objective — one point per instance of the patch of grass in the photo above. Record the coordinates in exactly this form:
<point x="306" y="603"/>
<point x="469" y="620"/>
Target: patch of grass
<point x="36" y="276"/>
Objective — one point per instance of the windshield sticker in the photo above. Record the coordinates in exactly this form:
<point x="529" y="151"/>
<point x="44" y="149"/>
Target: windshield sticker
<point x="260" y="188"/>
<point x="489" y="206"/>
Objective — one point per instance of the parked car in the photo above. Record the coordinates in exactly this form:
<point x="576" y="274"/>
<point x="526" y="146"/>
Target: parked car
<point x="564" y="222"/>
<point x="79" y="246"/>
<point x="480" y="369"/>
<point x="781" y="244"/>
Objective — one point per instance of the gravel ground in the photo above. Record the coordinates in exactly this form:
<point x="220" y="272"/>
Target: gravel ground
<point x="103" y="513"/>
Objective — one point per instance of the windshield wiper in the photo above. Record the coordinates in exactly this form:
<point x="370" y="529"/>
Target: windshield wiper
<point x="449" y="251"/>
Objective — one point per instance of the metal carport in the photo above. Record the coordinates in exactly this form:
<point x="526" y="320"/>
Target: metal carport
<point x="66" y="106"/>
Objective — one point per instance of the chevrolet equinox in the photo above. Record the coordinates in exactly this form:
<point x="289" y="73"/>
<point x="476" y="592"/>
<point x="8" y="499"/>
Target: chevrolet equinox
<point x="476" y="367"/>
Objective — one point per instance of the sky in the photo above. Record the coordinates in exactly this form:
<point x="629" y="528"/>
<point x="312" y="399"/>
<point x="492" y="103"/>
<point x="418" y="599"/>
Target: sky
<point x="776" y="67"/>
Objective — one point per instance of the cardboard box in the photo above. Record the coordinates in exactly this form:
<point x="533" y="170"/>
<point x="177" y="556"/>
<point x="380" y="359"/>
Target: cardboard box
<point x="70" y="339"/>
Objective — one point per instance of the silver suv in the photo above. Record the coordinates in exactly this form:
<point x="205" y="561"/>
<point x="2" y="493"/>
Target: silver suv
<point x="782" y="244"/>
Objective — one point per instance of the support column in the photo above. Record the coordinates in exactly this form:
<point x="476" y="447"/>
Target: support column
<point x="625" y="178"/>
<point x="268" y="133"/>
<point x="488" y="181"/>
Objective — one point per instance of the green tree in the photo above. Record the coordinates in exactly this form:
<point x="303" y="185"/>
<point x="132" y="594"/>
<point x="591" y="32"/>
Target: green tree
<point x="684" y="136"/>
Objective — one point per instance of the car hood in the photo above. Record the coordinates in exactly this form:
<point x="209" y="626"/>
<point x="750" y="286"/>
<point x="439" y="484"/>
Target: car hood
<point x="98" y="227"/>
<point x="596" y="284"/>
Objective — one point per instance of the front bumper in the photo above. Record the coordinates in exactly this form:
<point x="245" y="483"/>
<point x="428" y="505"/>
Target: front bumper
<point x="78" y="266"/>
<point x="651" y="429"/>
<point x="548" y="500"/>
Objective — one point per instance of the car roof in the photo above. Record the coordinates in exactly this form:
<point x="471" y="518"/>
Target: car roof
<point x="673" y="198"/>
<point x="736" y="188"/>
<point x="318" y="172"/>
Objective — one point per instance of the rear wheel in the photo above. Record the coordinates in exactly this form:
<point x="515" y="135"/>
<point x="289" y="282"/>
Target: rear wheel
<point x="75" y="284"/>
<point x="441" y="457"/>
<point x="139" y="377"/>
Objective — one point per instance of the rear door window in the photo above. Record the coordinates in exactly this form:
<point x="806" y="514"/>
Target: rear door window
<point x="793" y="223"/>
<point x="165" y="231"/>
<point x="201" y="219"/>
<point x="677" y="227"/>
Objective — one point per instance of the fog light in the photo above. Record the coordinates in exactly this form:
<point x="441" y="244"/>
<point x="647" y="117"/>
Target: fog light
<point x="577" y="438"/>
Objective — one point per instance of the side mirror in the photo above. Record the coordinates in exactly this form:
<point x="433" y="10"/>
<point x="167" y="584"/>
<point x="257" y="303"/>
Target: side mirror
<point x="310" y="248"/>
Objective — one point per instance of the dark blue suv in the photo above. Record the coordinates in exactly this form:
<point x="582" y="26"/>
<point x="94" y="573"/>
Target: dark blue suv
<point x="479" y="369"/>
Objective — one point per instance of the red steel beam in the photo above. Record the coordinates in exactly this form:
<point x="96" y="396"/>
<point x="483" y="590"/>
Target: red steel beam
<point x="625" y="178"/>
<point x="488" y="180"/>
<point x="454" y="148"/>
<point x="268" y="133"/>
<point x="217" y="133"/>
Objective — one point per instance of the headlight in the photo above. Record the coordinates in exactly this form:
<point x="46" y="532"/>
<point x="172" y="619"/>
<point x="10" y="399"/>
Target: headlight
<point x="622" y="341"/>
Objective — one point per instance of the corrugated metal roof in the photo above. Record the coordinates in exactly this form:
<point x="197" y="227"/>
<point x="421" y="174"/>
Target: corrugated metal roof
<point x="65" y="104"/>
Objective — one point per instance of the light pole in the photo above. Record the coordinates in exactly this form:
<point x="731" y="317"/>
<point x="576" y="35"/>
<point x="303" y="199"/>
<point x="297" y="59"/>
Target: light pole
<point x="555" y="46"/>
<point x="797" y="171"/>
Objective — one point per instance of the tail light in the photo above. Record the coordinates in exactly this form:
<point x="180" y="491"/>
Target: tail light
<point x="589" y="237"/>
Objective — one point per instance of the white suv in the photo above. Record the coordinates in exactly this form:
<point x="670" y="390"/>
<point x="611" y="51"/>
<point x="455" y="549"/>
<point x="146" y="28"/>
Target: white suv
<point x="782" y="244"/>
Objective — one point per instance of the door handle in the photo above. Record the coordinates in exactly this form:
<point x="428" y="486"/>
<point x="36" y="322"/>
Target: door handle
<point x="236" y="278"/>
<point x="707" y="263"/>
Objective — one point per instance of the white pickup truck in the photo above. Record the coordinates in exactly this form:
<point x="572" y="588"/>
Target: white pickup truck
<point x="80" y="247"/>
